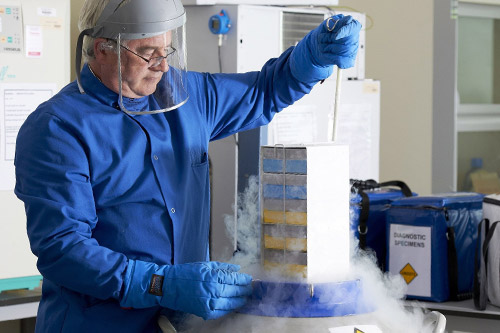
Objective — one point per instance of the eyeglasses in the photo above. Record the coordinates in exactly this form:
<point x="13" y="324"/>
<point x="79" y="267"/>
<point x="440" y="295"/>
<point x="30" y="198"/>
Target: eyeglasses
<point x="153" y="61"/>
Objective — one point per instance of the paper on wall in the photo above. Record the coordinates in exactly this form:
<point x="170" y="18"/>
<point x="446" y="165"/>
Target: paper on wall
<point x="34" y="41"/>
<point x="17" y="102"/>
<point x="294" y="125"/>
<point x="46" y="11"/>
<point x="355" y="129"/>
<point x="56" y="23"/>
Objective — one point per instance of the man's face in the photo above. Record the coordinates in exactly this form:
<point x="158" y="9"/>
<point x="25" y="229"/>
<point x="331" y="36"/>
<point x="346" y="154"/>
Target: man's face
<point x="138" y="79"/>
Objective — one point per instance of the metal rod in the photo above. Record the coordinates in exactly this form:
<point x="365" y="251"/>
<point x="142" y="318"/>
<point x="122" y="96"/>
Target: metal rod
<point x="337" y="104"/>
<point x="236" y="165"/>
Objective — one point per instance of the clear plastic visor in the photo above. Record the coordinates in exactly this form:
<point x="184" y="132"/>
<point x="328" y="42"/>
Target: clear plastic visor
<point x="155" y="68"/>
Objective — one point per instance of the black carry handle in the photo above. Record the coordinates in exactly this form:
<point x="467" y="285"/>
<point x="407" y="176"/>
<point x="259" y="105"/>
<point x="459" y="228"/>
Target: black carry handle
<point x="361" y="186"/>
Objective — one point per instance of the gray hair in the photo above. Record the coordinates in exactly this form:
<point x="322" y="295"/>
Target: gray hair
<point x="90" y="13"/>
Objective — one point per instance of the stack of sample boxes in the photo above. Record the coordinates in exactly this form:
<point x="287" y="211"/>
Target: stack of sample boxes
<point x="305" y="210"/>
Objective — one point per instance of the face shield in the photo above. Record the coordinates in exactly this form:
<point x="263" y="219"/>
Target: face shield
<point x="154" y="67"/>
<point x="151" y="52"/>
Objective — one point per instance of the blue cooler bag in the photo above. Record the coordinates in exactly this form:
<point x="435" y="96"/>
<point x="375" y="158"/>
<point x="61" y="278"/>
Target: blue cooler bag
<point x="431" y="243"/>
<point x="369" y="204"/>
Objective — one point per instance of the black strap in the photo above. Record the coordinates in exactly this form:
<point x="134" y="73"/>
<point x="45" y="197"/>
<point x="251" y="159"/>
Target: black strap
<point x="481" y="293"/>
<point x="480" y="297"/>
<point x="491" y="201"/>
<point x="363" y="218"/>
<point x="78" y="61"/>
<point x="453" y="269"/>
<point x="452" y="264"/>
<point x="360" y="186"/>
<point x="486" y="244"/>
<point x="478" y="281"/>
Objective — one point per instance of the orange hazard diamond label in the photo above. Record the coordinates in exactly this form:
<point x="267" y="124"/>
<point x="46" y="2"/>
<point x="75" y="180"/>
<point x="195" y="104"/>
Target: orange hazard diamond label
<point x="408" y="273"/>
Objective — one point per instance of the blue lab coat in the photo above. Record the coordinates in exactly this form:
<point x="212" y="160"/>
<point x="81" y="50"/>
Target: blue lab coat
<point x="101" y="186"/>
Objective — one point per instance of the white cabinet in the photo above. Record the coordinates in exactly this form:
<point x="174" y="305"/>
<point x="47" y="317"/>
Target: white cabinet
<point x="466" y="90"/>
<point x="478" y="86"/>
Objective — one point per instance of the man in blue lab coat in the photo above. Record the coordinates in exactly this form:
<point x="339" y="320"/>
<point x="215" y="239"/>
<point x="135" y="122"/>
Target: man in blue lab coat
<point x="113" y="170"/>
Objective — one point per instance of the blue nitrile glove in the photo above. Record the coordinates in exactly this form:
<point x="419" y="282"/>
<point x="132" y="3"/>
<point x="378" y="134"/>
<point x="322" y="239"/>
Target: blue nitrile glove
<point x="206" y="289"/>
<point x="313" y="58"/>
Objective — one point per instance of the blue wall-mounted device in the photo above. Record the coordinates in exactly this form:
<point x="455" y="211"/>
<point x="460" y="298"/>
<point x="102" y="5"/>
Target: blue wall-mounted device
<point x="219" y="24"/>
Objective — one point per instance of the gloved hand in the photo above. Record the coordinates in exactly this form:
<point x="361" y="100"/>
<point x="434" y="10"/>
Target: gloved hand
<point x="206" y="289"/>
<point x="313" y="58"/>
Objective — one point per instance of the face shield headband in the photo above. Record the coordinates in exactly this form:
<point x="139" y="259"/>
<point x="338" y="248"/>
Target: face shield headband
<point x="160" y="74"/>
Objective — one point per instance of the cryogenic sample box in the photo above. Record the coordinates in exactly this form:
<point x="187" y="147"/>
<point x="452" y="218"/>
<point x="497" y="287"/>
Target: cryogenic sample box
<point x="305" y="210"/>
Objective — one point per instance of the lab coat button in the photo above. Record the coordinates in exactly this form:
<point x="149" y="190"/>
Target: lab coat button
<point x="172" y="210"/>
<point x="155" y="157"/>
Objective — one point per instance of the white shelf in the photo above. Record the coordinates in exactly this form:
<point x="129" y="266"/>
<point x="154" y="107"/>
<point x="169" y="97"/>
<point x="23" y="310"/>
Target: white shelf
<point x="478" y="117"/>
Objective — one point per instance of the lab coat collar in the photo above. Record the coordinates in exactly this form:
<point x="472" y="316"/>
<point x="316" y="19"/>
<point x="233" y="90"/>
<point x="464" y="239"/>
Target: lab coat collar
<point x="95" y="88"/>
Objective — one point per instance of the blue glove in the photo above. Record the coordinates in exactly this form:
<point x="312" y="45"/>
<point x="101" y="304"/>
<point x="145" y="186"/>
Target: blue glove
<point x="206" y="289"/>
<point x="313" y="58"/>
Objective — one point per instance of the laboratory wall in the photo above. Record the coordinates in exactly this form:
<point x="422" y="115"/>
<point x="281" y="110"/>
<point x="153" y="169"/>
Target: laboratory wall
<point x="399" y="53"/>
<point x="399" y="50"/>
<point x="32" y="69"/>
